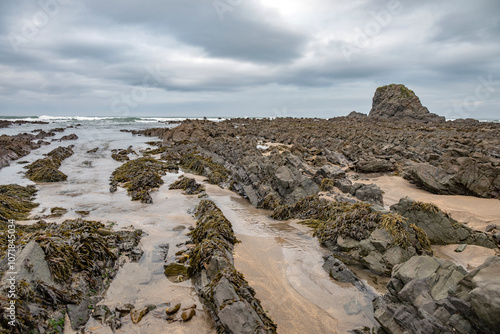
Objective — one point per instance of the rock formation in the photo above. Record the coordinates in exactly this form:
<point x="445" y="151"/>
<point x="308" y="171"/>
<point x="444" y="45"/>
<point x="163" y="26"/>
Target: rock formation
<point x="398" y="102"/>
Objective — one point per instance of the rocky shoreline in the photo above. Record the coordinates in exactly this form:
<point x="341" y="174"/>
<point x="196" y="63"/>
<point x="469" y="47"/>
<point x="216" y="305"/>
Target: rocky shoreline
<point x="301" y="170"/>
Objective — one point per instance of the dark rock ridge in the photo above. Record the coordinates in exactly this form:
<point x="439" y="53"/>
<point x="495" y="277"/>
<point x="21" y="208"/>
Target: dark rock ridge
<point x="15" y="147"/>
<point x="398" y="102"/>
<point x="223" y="290"/>
<point x="459" y="158"/>
<point x="440" y="228"/>
<point x="429" y="295"/>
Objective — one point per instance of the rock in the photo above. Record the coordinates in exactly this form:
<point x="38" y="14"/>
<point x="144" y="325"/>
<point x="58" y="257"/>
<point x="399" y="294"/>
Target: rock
<point x="240" y="317"/>
<point x="173" y="309"/>
<point x="374" y="166"/>
<point x="79" y="313"/>
<point x="136" y="315"/>
<point x="398" y="102"/>
<point x="344" y="185"/>
<point x="460" y="248"/>
<point x="491" y="227"/>
<point x="123" y="310"/>
<point x="440" y="228"/>
<point x="338" y="270"/>
<point x="224" y="293"/>
<point x="329" y="172"/>
<point x="353" y="307"/>
<point x="188" y="314"/>
<point x="31" y="266"/>
<point x="368" y="193"/>
<point x="428" y="295"/>
<point x="481" y="288"/>
<point x="355" y="114"/>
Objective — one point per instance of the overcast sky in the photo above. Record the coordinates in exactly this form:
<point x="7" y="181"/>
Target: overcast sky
<point x="319" y="58"/>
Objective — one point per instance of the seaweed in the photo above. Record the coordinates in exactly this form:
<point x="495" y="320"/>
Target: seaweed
<point x="47" y="169"/>
<point x="139" y="176"/>
<point x="121" y="155"/>
<point x="327" y="184"/>
<point x="188" y="184"/>
<point x="394" y="223"/>
<point x="427" y="207"/>
<point x="216" y="173"/>
<point x="16" y="201"/>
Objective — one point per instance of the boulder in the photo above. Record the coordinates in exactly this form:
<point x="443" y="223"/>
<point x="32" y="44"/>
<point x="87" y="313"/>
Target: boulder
<point x="374" y="165"/>
<point x="368" y="193"/>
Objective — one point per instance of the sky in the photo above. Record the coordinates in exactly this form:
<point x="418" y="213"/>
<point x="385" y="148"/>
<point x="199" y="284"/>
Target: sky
<point x="248" y="58"/>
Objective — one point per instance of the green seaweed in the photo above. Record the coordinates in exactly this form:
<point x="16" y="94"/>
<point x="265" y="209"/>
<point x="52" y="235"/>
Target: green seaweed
<point x="216" y="173"/>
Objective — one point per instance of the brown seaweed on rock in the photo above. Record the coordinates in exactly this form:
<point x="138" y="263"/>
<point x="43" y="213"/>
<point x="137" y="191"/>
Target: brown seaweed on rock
<point x="139" y="177"/>
<point x="47" y="169"/>
<point x="16" y="201"/>
<point x="82" y="259"/>
<point x="188" y="184"/>
<point x="224" y="290"/>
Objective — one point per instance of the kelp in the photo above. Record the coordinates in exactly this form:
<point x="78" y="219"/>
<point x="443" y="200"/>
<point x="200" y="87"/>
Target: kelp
<point x="47" y="169"/>
<point x="188" y="184"/>
<point x="197" y="164"/>
<point x="139" y="176"/>
<point x="327" y="184"/>
<point x="121" y="155"/>
<point x="312" y="207"/>
<point x="16" y="201"/>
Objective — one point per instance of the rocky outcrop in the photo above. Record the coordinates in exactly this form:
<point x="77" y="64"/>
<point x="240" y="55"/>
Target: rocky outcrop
<point x="375" y="239"/>
<point x="440" y="228"/>
<point x="223" y="290"/>
<point x="429" y="295"/>
<point x="464" y="176"/>
<point x="62" y="268"/>
<point x="398" y="102"/>
<point x="15" y="147"/>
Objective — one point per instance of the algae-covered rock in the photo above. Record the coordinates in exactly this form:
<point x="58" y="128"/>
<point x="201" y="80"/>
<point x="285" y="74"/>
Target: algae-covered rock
<point x="440" y="228"/>
<point x="47" y="169"/>
<point x="139" y="177"/>
<point x="16" y="201"/>
<point x="222" y="288"/>
<point x="188" y="184"/>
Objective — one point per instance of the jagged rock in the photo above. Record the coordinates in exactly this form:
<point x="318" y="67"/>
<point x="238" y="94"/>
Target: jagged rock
<point x="329" y="172"/>
<point x="481" y="288"/>
<point x="344" y="185"/>
<point x="397" y="101"/>
<point x="374" y="166"/>
<point x="368" y="193"/>
<point x="429" y="295"/>
<point x="440" y="228"/>
<point x="339" y="271"/>
<point x="355" y="114"/>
